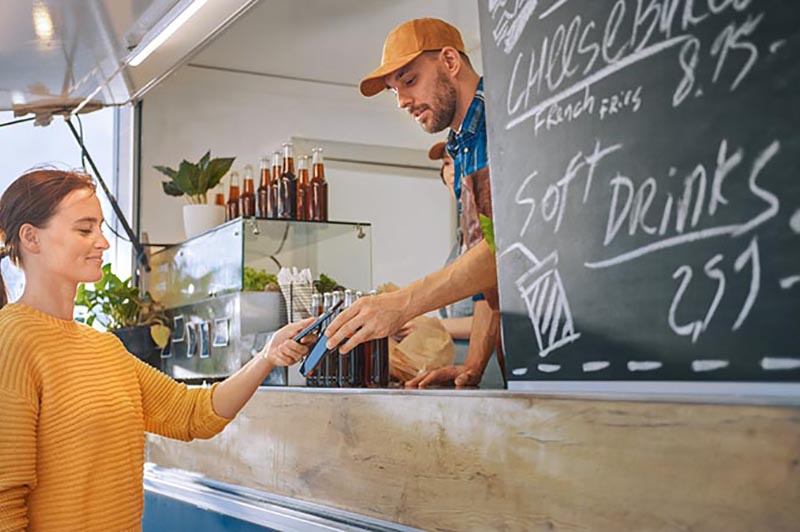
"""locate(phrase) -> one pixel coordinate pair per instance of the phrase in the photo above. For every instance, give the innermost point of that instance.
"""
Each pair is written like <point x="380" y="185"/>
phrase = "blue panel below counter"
<point x="179" y="500"/>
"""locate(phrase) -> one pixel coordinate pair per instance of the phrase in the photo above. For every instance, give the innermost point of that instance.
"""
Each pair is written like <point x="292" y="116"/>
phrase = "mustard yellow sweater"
<point x="74" y="409"/>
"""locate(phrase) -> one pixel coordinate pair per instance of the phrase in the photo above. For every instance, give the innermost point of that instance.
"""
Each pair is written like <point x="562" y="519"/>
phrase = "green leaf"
<point x="217" y="169"/>
<point x="257" y="280"/>
<point x="167" y="171"/>
<point x="202" y="164"/>
<point x="325" y="284"/>
<point x="116" y="303"/>
<point x="195" y="180"/>
<point x="160" y="334"/>
<point x="187" y="178"/>
<point x="171" y="189"/>
<point x="80" y="297"/>
<point x="487" y="226"/>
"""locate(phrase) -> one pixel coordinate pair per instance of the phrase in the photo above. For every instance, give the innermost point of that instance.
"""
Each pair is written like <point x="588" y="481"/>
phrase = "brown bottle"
<point x="318" y="208"/>
<point x="379" y="370"/>
<point x="345" y="375"/>
<point x="357" y="377"/>
<point x="219" y="195"/>
<point x="232" y="207"/>
<point x="303" y="190"/>
<point x="247" y="201"/>
<point x="331" y="358"/>
<point x="262" y="194"/>
<point x="286" y="191"/>
<point x="273" y="188"/>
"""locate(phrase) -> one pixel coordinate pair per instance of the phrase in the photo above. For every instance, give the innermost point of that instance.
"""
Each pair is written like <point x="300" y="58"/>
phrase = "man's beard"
<point x="444" y="105"/>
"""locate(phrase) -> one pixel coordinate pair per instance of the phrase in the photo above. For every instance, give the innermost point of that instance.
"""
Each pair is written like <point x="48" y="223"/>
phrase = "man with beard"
<point x="425" y="64"/>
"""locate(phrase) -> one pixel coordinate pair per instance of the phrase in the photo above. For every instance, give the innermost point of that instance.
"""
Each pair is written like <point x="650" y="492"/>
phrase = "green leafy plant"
<point x="116" y="304"/>
<point x="325" y="284"/>
<point x="195" y="179"/>
<point x="258" y="280"/>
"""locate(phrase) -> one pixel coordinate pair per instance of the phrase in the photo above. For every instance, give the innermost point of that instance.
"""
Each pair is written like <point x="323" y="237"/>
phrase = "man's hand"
<point x="282" y="350"/>
<point x="405" y="330"/>
<point x="369" y="318"/>
<point x="458" y="375"/>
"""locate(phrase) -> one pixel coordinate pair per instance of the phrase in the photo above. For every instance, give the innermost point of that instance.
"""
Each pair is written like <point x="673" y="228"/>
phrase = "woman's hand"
<point x="282" y="350"/>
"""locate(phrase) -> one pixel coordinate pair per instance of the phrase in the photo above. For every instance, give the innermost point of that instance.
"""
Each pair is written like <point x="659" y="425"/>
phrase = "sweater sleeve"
<point x="174" y="410"/>
<point x="17" y="460"/>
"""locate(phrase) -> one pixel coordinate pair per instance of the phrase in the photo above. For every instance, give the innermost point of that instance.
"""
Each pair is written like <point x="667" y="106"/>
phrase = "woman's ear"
<point x="29" y="239"/>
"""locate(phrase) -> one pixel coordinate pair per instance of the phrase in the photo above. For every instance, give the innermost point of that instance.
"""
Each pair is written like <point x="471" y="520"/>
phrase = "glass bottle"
<point x="286" y="192"/>
<point x="303" y="190"/>
<point x="262" y="195"/>
<point x="232" y="206"/>
<point x="345" y="361"/>
<point x="273" y="188"/>
<point x="247" y="201"/>
<point x="318" y="208"/>
<point x="332" y="356"/>
<point x="379" y="370"/>
<point x="219" y="195"/>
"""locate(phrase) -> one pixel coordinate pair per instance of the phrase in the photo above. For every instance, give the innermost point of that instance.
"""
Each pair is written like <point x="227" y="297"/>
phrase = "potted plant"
<point x="194" y="180"/>
<point x="138" y="321"/>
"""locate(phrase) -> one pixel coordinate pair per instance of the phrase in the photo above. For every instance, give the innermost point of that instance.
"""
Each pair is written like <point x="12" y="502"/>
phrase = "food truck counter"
<point x="480" y="460"/>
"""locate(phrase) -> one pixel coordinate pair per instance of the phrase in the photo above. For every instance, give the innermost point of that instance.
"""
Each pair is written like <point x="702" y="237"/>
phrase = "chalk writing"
<point x="779" y="363"/>
<point x="575" y="55"/>
<point x="709" y="365"/>
<point x="687" y="211"/>
<point x="543" y="293"/>
<point x="645" y="365"/>
<point x="596" y="365"/>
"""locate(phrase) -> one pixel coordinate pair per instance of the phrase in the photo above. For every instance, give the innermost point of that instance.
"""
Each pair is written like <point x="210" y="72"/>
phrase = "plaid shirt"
<point x="467" y="146"/>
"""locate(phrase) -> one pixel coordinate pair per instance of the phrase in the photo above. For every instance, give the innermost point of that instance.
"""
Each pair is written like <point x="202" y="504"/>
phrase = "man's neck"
<point x="465" y="93"/>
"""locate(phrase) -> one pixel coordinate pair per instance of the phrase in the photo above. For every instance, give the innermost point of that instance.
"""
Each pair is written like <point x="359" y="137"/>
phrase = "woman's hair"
<point x="33" y="199"/>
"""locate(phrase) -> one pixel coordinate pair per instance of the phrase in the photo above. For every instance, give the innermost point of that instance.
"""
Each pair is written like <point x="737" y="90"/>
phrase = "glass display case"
<point x="216" y="325"/>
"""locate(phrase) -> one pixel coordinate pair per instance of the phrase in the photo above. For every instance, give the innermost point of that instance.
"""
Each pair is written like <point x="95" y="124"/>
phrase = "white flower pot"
<point x="200" y="218"/>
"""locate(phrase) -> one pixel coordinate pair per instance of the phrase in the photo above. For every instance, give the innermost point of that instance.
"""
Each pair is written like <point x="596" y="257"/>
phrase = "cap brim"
<point x="436" y="152"/>
<point x="374" y="83"/>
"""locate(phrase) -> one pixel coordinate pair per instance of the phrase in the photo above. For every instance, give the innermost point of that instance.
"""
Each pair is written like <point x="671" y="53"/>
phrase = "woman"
<point x="75" y="404"/>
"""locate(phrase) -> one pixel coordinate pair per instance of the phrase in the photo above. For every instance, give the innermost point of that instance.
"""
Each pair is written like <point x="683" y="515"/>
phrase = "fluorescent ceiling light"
<point x="42" y="22"/>
<point x="165" y="34"/>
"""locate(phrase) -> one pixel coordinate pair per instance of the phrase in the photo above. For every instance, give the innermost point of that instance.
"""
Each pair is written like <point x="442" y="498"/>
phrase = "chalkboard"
<point x="645" y="170"/>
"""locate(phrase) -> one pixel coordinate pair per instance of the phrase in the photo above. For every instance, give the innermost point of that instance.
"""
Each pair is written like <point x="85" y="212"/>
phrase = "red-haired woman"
<point x="75" y="404"/>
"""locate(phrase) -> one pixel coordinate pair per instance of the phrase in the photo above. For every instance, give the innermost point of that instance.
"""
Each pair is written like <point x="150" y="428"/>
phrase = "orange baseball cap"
<point x="405" y="43"/>
<point x="437" y="151"/>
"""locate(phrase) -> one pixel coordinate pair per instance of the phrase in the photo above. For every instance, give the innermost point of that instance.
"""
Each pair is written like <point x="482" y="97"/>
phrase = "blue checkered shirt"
<point x="467" y="146"/>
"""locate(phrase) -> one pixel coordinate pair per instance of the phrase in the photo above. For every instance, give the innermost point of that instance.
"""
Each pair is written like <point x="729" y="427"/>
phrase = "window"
<point x="24" y="146"/>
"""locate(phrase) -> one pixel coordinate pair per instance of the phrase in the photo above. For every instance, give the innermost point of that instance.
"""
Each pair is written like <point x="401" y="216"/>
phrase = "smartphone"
<point x="318" y="322"/>
<point x="314" y="358"/>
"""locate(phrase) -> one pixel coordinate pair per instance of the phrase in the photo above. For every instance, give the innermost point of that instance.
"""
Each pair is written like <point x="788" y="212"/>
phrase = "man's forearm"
<point x="472" y="273"/>
<point x="483" y="337"/>
<point x="458" y="328"/>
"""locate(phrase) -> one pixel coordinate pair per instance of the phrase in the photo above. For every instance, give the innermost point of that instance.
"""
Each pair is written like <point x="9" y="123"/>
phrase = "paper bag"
<point x="428" y="347"/>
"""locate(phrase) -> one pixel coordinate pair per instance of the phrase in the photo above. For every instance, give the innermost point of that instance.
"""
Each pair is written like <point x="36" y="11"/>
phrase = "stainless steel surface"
<point x="68" y="48"/>
<point x="67" y="52"/>
<point x="257" y="507"/>
<point x="212" y="264"/>
<point x="211" y="339"/>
